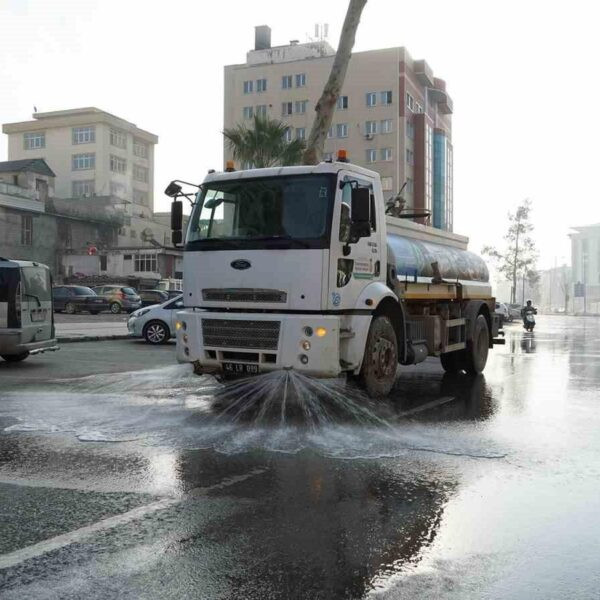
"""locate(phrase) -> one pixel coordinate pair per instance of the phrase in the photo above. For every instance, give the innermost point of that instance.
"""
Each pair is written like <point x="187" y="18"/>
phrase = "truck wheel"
<point x="478" y="348"/>
<point x="378" y="372"/>
<point x="15" y="357"/>
<point x="453" y="362"/>
<point x="70" y="308"/>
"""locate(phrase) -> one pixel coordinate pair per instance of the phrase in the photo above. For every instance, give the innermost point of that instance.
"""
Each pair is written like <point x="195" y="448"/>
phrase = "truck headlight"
<point x="321" y="332"/>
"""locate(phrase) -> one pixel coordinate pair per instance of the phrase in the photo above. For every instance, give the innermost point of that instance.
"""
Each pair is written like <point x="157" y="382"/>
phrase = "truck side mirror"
<point x="176" y="222"/>
<point x="361" y="204"/>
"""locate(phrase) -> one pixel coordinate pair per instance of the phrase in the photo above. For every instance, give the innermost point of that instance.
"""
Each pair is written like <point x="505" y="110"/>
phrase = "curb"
<point x="93" y="338"/>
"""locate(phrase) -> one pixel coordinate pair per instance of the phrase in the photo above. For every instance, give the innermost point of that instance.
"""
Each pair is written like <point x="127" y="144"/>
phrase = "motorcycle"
<point x="529" y="322"/>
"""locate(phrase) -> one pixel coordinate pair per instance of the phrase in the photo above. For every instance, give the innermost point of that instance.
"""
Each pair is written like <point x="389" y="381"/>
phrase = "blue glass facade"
<point x="440" y="178"/>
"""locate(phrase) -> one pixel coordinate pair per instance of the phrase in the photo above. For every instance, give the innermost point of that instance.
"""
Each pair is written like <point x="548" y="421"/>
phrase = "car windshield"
<point x="270" y="212"/>
<point x="129" y="291"/>
<point x="83" y="291"/>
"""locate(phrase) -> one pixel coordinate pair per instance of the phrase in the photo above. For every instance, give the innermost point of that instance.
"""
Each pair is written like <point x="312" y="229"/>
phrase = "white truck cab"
<point x="26" y="314"/>
<point x="294" y="268"/>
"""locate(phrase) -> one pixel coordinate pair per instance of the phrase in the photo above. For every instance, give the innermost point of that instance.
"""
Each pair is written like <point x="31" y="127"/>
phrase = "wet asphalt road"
<point x="122" y="477"/>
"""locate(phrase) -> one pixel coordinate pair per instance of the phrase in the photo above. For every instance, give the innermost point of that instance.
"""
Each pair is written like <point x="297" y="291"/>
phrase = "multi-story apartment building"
<point x="92" y="153"/>
<point x="393" y="115"/>
<point x="585" y="266"/>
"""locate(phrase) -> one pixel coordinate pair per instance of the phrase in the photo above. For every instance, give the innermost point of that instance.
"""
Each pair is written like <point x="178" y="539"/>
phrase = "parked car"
<point x="75" y="298"/>
<point x="514" y="311"/>
<point x="502" y="312"/>
<point x="119" y="298"/>
<point x="156" y="324"/>
<point x="151" y="297"/>
<point x="174" y="293"/>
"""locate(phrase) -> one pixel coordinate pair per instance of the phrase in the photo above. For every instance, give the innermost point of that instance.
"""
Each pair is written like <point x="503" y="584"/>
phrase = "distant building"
<point x="92" y="153"/>
<point x="76" y="237"/>
<point x="585" y="264"/>
<point x="393" y="115"/>
<point x="103" y="172"/>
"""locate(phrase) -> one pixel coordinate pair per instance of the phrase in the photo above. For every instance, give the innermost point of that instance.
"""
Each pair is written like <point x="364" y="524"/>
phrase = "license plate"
<point x="240" y="369"/>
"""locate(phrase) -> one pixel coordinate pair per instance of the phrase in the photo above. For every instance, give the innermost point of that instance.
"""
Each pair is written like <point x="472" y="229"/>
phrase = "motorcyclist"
<point x="527" y="310"/>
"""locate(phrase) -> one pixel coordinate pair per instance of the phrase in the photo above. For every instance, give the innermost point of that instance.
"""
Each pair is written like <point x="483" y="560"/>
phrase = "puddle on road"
<point x="280" y="412"/>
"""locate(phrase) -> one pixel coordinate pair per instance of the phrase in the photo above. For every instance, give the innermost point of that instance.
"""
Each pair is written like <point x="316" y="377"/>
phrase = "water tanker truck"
<point x="301" y="268"/>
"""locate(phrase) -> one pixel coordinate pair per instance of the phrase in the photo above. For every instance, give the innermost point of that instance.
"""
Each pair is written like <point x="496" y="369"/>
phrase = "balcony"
<point x="439" y="96"/>
<point x="14" y="196"/>
<point x="424" y="73"/>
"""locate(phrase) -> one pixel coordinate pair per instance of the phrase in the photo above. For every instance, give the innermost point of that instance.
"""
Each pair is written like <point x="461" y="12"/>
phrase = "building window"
<point x="410" y="102"/>
<point x="330" y="132"/>
<point x="146" y="263"/>
<point x="117" y="164"/>
<point x="371" y="155"/>
<point x="300" y="106"/>
<point x="286" y="82"/>
<point x="248" y="112"/>
<point x="83" y="162"/>
<point x="26" y="230"/>
<point x="261" y="111"/>
<point x="410" y="185"/>
<point x="371" y="127"/>
<point x="84" y="135"/>
<point x="140" y="149"/>
<point x="386" y="184"/>
<point x="386" y="154"/>
<point x="261" y="85"/>
<point x="140" y="197"/>
<point x="133" y="233"/>
<point x="387" y="126"/>
<point x="81" y="189"/>
<point x="103" y="261"/>
<point x="342" y="103"/>
<point x="409" y="157"/>
<point x="286" y="109"/>
<point x="328" y="156"/>
<point x="410" y="130"/>
<point x="288" y="134"/>
<point x="140" y="173"/>
<point x="418" y="108"/>
<point x="342" y="130"/>
<point x="371" y="98"/>
<point x="248" y="87"/>
<point x="300" y="79"/>
<point x="118" y="138"/>
<point x="34" y="141"/>
<point x="300" y="133"/>
<point x="386" y="97"/>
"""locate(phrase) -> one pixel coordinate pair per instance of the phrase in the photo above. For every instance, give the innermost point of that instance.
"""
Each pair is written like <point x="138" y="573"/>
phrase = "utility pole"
<point x="523" y="291"/>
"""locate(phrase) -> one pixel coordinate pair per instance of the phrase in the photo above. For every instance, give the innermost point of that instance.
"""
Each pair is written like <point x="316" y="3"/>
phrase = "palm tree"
<point x="263" y="144"/>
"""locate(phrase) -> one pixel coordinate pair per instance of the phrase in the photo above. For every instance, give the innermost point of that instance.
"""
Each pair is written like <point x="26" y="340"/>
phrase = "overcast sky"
<point x="523" y="77"/>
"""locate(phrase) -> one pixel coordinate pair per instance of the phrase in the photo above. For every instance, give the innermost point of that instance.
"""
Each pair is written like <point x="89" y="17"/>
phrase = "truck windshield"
<point x="268" y="212"/>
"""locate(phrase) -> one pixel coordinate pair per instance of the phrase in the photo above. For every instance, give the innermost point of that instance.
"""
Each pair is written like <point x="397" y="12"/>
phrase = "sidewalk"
<point x="92" y="331"/>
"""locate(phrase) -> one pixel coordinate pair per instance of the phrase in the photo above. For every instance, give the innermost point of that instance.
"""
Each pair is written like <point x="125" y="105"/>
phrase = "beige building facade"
<point x="92" y="152"/>
<point x="393" y="115"/>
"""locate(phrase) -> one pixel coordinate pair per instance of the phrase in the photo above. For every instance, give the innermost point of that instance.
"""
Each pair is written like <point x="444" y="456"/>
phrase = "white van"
<point x="26" y="312"/>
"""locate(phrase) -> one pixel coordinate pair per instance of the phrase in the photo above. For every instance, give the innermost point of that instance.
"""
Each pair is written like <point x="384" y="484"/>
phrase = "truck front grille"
<point x="243" y="295"/>
<point x="229" y="333"/>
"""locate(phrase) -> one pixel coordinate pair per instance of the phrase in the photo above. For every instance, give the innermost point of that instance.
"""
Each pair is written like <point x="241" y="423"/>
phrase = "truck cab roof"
<point x="321" y="168"/>
<point x="7" y="263"/>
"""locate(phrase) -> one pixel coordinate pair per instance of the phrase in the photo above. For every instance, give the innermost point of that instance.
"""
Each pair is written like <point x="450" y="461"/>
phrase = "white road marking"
<point x="60" y="541"/>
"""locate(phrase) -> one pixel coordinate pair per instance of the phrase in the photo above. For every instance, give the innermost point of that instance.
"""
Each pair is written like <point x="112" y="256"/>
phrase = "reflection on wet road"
<point x="159" y="484"/>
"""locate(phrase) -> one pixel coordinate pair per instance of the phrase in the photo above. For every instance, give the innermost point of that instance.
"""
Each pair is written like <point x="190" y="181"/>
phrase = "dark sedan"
<point x="76" y="298"/>
<point x="150" y="297"/>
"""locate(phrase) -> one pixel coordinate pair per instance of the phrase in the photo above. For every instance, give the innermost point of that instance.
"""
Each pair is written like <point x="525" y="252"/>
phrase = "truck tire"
<point x="378" y="372"/>
<point x="478" y="347"/>
<point x="15" y="357"/>
<point x="453" y="362"/>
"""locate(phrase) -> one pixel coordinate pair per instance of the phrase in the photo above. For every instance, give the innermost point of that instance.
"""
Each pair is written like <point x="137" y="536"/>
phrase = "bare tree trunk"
<point x="514" y="273"/>
<point x="326" y="104"/>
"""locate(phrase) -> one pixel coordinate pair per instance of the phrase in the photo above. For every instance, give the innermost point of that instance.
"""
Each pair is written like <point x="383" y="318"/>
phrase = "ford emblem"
<point x="241" y="264"/>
